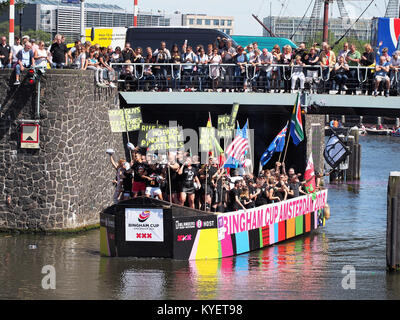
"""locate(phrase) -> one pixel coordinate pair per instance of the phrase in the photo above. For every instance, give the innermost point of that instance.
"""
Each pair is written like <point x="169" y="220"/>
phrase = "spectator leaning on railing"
<point x="353" y="59"/>
<point x="59" y="53"/>
<point x="5" y="54"/>
<point x="381" y="75"/>
<point x="25" y="60"/>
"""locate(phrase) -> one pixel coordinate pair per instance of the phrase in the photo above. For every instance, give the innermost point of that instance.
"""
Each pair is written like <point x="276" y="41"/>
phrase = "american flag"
<point x="237" y="149"/>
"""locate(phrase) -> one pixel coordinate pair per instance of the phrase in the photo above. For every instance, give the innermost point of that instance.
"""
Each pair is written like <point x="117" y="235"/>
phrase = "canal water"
<point x="310" y="267"/>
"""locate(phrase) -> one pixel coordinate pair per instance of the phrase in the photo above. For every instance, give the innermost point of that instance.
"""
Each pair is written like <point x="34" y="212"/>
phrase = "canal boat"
<point x="381" y="132"/>
<point x="342" y="130"/>
<point x="147" y="227"/>
<point x="396" y="134"/>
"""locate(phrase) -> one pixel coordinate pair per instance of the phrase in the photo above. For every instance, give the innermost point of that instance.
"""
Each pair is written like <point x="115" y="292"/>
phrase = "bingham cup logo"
<point x="144" y="216"/>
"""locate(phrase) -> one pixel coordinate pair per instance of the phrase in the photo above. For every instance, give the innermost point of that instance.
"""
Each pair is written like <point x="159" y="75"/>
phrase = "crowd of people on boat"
<point x="218" y="67"/>
<point x="181" y="179"/>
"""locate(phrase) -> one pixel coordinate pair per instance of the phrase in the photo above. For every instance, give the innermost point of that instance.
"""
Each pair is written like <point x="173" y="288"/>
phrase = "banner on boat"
<point x="144" y="225"/>
<point x="245" y="220"/>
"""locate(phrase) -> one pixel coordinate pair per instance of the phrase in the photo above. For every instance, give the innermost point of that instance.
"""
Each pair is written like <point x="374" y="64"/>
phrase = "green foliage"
<point x="33" y="34"/>
<point x="339" y="46"/>
<point x="5" y="4"/>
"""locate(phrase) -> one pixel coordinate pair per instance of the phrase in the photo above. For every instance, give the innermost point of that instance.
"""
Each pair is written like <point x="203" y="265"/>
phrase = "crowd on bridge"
<point x="181" y="179"/>
<point x="218" y="67"/>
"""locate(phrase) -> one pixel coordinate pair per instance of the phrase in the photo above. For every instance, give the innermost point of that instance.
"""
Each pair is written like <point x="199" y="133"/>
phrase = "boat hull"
<point x="185" y="234"/>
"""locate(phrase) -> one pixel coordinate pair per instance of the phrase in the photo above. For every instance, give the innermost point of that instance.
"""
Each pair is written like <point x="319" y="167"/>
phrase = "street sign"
<point x="30" y="136"/>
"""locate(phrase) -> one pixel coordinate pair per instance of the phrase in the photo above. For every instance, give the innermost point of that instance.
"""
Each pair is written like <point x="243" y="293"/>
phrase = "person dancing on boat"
<point x="189" y="178"/>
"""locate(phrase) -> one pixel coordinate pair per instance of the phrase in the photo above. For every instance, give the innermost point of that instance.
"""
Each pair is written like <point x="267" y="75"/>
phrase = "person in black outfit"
<point x="234" y="197"/>
<point x="367" y="59"/>
<point x="206" y="176"/>
<point x="5" y="50"/>
<point x="261" y="192"/>
<point x="59" y="52"/>
<point x="189" y="177"/>
<point x="126" y="177"/>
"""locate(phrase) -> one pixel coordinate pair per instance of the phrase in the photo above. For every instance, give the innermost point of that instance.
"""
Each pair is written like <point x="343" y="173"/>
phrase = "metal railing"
<point x="232" y="77"/>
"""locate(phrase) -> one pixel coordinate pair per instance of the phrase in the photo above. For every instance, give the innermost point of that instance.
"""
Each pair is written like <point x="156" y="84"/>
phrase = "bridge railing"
<point x="246" y="77"/>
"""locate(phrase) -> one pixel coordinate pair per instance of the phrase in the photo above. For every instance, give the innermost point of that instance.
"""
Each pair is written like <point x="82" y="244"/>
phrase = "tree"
<point x="5" y="5"/>
<point x="33" y="34"/>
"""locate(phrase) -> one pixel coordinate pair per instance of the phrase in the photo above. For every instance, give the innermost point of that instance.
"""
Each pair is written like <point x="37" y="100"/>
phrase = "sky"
<point x="242" y="11"/>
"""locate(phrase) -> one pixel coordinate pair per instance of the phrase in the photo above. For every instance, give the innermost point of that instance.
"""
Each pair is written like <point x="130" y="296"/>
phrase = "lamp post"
<point x="21" y="12"/>
<point x="83" y="33"/>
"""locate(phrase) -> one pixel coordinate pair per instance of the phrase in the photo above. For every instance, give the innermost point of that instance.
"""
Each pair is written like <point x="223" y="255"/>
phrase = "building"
<point x="222" y="23"/>
<point x="57" y="17"/>
<point x="285" y="27"/>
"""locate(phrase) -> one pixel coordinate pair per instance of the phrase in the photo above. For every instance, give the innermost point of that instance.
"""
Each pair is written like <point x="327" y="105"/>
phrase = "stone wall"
<point x="68" y="181"/>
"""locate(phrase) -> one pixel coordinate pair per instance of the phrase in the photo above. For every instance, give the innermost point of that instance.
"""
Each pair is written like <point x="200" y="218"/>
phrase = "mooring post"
<point x="393" y="223"/>
<point x="356" y="155"/>
<point x="350" y="169"/>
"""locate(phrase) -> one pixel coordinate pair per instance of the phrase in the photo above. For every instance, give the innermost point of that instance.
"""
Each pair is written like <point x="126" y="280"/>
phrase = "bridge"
<point x="270" y="102"/>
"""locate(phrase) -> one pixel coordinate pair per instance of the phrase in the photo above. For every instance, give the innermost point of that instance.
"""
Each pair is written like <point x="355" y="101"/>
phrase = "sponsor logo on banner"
<point x="181" y="237"/>
<point x="144" y="225"/>
<point x="239" y="221"/>
<point x="198" y="224"/>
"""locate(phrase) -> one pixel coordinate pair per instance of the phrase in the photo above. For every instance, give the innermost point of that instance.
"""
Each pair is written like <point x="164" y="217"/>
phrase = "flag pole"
<point x="250" y="151"/>
<point x="286" y="141"/>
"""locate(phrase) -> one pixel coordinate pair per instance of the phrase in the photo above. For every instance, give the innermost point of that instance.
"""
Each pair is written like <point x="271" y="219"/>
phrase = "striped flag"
<point x="296" y="124"/>
<point x="238" y="147"/>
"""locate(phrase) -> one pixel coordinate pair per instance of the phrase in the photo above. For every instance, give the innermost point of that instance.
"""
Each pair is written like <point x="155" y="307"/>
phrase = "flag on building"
<point x="296" y="124"/>
<point x="309" y="176"/>
<point x="276" y="145"/>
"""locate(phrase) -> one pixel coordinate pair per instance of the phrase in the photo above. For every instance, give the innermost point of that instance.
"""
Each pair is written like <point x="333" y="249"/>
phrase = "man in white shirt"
<point x="343" y="53"/>
<point x="266" y="60"/>
<point x="17" y="47"/>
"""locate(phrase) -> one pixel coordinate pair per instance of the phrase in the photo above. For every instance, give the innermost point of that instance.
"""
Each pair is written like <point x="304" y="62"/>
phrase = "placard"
<point x="143" y="132"/>
<point x="207" y="137"/>
<point x="225" y="129"/>
<point x="133" y="117"/>
<point x="162" y="139"/>
<point x="145" y="225"/>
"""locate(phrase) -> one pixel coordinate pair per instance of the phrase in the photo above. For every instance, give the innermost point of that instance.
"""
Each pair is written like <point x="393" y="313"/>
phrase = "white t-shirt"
<point x="266" y="58"/>
<point x="15" y="49"/>
<point x="41" y="61"/>
<point x="395" y="62"/>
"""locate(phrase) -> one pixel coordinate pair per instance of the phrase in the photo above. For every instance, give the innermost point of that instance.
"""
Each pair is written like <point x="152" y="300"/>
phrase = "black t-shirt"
<point x="279" y="193"/>
<point x="139" y="168"/>
<point x="188" y="176"/>
<point x="156" y="179"/>
<point x="262" y="198"/>
<point x="127" y="181"/>
<point x="5" y="51"/>
<point x="295" y="187"/>
<point x="127" y="55"/>
<point x="58" y="52"/>
<point x="232" y="199"/>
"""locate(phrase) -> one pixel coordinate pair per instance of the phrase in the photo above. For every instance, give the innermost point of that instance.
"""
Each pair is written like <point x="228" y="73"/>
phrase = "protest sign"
<point x="122" y="120"/>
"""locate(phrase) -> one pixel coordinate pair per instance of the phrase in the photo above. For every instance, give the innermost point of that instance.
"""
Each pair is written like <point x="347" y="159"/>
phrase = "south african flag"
<point x="296" y="124"/>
